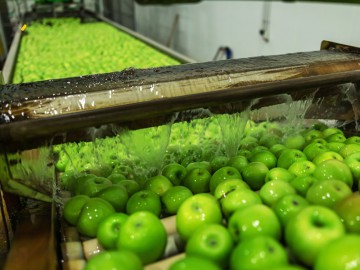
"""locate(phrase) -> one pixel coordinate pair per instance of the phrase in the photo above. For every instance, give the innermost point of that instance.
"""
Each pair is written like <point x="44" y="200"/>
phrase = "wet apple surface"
<point x="271" y="204"/>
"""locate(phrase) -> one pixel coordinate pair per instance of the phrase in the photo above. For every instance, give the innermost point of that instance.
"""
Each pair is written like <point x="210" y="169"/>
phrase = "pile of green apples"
<point x="287" y="200"/>
<point x="55" y="48"/>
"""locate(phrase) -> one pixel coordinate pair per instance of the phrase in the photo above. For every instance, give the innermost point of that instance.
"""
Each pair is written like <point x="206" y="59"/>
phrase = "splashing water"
<point x="232" y="128"/>
<point x="351" y="94"/>
<point x="146" y="146"/>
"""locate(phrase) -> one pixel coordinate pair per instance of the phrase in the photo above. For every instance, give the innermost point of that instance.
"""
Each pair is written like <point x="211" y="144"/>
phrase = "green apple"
<point x="72" y="208"/>
<point x="259" y="148"/>
<point x="289" y="267"/>
<point x="335" y="146"/>
<point x="342" y="253"/>
<point x="238" y="199"/>
<point x="302" y="167"/>
<point x="331" y="131"/>
<point x="288" y="206"/>
<point x="131" y="186"/>
<point x="115" y="260"/>
<point x="349" y="212"/>
<point x="238" y="162"/>
<point x="199" y="164"/>
<point x="279" y="173"/>
<point x="125" y="170"/>
<point x="197" y="180"/>
<point x="313" y="149"/>
<point x="108" y="230"/>
<point x="254" y="220"/>
<point x="353" y="139"/>
<point x="172" y="154"/>
<point x="289" y="156"/>
<point x="116" y="195"/>
<point x="194" y="151"/>
<point x="349" y="149"/>
<point x="92" y="185"/>
<point x="221" y="175"/>
<point x="174" y="197"/>
<point x="244" y="152"/>
<point x="92" y="213"/>
<point x="158" y="184"/>
<point x="248" y="140"/>
<point x="312" y="134"/>
<point x="310" y="231"/>
<point x="195" y="211"/>
<point x="250" y="146"/>
<point x="101" y="169"/>
<point x="218" y="162"/>
<point x="295" y="141"/>
<point x="144" y="234"/>
<point x="319" y="140"/>
<point x="327" y="192"/>
<point x="256" y="131"/>
<point x="229" y="185"/>
<point x="175" y="172"/>
<point x="303" y="183"/>
<point x="254" y="174"/>
<point x="115" y="178"/>
<point x="334" y="169"/>
<point x="258" y="253"/>
<point x="189" y="159"/>
<point x="192" y="262"/>
<point x="273" y="190"/>
<point x="269" y="140"/>
<point x="212" y="242"/>
<point x="144" y="200"/>
<point x="272" y="127"/>
<point x="78" y="181"/>
<point x="266" y="157"/>
<point x="277" y="149"/>
<point x="325" y="156"/>
<point x="353" y="162"/>
<point x="337" y="137"/>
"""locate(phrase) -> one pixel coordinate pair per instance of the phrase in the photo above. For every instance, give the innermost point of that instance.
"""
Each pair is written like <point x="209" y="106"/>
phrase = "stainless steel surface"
<point x="182" y="58"/>
<point x="10" y="61"/>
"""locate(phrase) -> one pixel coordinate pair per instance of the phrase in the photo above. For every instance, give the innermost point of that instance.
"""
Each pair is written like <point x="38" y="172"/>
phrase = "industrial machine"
<point x="328" y="79"/>
<point x="321" y="85"/>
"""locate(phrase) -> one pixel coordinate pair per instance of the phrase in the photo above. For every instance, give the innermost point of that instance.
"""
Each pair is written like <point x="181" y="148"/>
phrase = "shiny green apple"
<point x="310" y="231"/>
<point x="288" y="206"/>
<point x="273" y="190"/>
<point x="212" y="242"/>
<point x="334" y="169"/>
<point x="254" y="220"/>
<point x="221" y="175"/>
<point x="342" y="253"/>
<point x="195" y="211"/>
<point x="258" y="253"/>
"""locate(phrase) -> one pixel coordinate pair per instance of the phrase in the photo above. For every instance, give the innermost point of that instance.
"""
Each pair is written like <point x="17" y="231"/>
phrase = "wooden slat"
<point x="164" y="264"/>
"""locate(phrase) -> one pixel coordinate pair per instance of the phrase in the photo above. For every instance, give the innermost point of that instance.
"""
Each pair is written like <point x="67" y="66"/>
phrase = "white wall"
<point x="294" y="27"/>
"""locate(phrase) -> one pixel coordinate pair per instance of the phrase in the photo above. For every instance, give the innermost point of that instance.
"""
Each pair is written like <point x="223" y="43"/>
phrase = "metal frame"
<point x="181" y="87"/>
<point x="8" y="68"/>
<point x="9" y="65"/>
